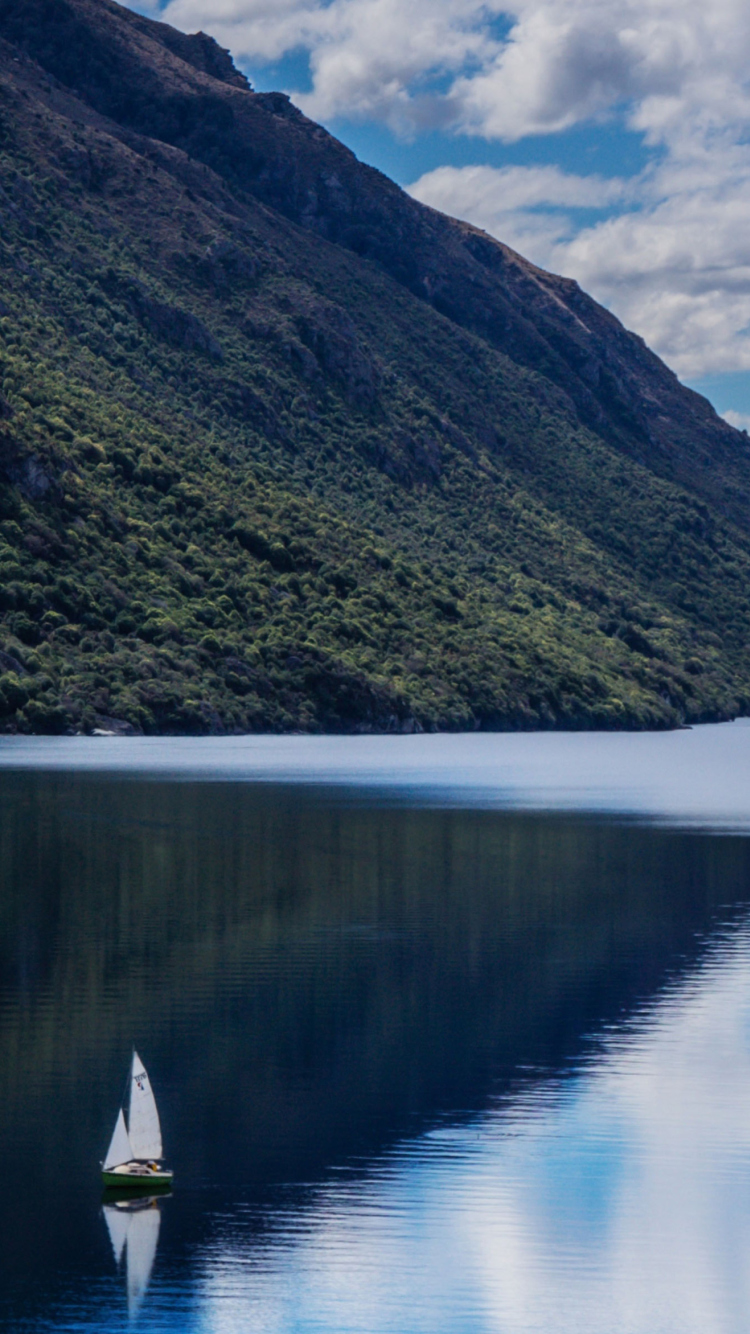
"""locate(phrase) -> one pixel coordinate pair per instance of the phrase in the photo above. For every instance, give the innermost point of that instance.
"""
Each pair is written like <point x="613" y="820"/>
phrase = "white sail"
<point x="118" y="1223"/>
<point x="120" y="1149"/>
<point x="143" y="1235"/>
<point x="143" y="1119"/>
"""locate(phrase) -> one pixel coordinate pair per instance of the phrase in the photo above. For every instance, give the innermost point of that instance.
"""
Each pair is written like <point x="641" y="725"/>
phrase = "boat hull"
<point x="136" y="1176"/>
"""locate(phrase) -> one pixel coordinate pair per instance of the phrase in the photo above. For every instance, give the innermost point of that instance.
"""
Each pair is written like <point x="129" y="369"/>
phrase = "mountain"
<point x="283" y="449"/>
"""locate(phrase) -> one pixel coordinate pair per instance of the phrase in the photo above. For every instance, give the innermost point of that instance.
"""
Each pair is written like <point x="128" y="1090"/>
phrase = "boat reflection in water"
<point x="133" y="1222"/>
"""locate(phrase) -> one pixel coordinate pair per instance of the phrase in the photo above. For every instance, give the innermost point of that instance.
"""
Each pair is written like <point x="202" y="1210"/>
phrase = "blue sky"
<point x="608" y="142"/>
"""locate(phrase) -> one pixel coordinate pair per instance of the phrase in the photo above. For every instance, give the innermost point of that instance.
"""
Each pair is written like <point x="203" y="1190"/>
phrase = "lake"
<point x="447" y="1033"/>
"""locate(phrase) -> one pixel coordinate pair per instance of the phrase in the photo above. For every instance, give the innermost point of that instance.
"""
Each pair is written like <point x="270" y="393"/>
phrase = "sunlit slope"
<point x="253" y="479"/>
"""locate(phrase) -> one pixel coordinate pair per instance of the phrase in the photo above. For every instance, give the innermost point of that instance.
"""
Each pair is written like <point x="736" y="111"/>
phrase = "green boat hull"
<point x="137" y="1180"/>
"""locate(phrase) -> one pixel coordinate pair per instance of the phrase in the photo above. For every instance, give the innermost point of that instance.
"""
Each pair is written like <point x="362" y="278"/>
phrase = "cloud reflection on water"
<point x="617" y="1199"/>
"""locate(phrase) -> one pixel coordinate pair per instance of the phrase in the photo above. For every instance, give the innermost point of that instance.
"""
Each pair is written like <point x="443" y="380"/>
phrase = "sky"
<point x="608" y="140"/>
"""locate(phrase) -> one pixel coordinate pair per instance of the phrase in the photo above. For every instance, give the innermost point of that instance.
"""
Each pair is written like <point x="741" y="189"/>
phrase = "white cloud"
<point x="739" y="419"/>
<point x="566" y="60"/>
<point x="525" y="206"/>
<point x="503" y="190"/>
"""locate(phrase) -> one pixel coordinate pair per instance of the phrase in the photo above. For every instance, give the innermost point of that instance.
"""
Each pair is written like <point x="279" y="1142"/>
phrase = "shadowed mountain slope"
<point x="184" y="91"/>
<point x="281" y="447"/>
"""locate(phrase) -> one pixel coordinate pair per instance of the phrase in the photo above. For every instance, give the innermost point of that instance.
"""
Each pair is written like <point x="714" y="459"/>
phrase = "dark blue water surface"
<point x="447" y="1033"/>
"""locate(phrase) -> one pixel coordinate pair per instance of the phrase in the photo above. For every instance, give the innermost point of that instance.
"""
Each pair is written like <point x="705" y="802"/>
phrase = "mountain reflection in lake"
<point x="418" y="1069"/>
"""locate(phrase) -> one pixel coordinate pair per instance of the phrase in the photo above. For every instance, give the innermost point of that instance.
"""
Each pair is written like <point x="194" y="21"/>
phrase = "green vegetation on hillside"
<point x="251" y="483"/>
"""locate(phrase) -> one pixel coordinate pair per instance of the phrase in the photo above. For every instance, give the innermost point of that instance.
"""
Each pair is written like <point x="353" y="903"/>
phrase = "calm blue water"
<point x="447" y="1033"/>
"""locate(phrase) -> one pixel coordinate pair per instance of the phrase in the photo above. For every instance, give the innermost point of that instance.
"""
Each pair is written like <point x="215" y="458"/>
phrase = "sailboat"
<point x="135" y="1152"/>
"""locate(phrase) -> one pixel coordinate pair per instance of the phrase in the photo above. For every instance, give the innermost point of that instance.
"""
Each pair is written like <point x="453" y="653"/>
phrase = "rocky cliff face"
<point x="281" y="447"/>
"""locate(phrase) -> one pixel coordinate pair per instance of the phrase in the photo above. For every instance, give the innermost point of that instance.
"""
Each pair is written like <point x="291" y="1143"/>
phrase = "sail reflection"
<point x="618" y="1198"/>
<point x="134" y="1231"/>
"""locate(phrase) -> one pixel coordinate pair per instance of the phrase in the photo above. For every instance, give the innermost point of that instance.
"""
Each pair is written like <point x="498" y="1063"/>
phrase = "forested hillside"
<point x="282" y="449"/>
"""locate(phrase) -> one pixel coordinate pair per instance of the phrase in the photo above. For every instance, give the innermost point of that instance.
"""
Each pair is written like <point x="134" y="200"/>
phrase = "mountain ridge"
<point x="217" y="333"/>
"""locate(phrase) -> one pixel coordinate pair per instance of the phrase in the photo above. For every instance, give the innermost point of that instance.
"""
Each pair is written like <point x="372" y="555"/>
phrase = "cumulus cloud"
<point x="739" y="419"/>
<point x="532" y="209"/>
<point x="494" y="191"/>
<point x="669" y="253"/>
<point x="568" y="60"/>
